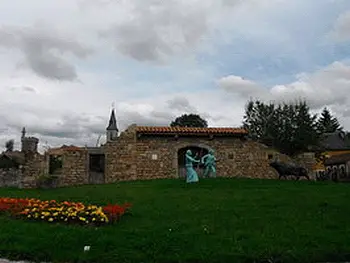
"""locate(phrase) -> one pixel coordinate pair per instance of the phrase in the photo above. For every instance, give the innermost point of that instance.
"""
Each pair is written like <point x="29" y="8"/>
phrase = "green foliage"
<point x="9" y="145"/>
<point x="328" y="123"/>
<point x="218" y="220"/>
<point x="189" y="120"/>
<point x="290" y="128"/>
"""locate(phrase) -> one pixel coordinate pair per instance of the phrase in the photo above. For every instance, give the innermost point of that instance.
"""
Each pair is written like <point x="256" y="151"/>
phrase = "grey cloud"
<point x="24" y="88"/>
<point x="181" y="104"/>
<point x="44" y="51"/>
<point x="346" y="112"/>
<point x="159" y="29"/>
<point x="240" y="86"/>
<point x="71" y="126"/>
<point x="130" y="117"/>
<point x="166" y="116"/>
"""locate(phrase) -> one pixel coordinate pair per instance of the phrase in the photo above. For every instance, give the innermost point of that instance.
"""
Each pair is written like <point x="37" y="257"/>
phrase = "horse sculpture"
<point x="285" y="170"/>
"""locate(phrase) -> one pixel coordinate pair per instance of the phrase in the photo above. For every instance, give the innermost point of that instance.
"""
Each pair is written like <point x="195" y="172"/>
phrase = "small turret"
<point x="112" y="129"/>
<point x="29" y="144"/>
<point x="23" y="132"/>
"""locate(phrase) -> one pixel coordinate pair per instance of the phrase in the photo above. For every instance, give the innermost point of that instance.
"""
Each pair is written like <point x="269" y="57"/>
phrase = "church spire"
<point x="112" y="129"/>
<point x="112" y="125"/>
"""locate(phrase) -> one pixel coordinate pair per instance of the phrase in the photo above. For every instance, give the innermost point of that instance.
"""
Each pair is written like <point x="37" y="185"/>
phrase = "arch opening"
<point x="198" y="152"/>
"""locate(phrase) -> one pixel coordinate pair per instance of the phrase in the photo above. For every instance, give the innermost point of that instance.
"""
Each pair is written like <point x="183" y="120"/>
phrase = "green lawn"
<point x="217" y="220"/>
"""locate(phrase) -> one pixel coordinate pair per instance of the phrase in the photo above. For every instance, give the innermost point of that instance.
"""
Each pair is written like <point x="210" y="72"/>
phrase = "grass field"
<point x="217" y="220"/>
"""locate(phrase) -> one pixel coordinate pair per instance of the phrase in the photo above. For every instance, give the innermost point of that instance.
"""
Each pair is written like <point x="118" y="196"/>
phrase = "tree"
<point x="189" y="120"/>
<point x="9" y="145"/>
<point x="328" y="123"/>
<point x="290" y="128"/>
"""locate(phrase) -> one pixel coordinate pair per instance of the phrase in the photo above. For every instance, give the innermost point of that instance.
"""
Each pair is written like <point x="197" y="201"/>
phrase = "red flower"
<point x="114" y="212"/>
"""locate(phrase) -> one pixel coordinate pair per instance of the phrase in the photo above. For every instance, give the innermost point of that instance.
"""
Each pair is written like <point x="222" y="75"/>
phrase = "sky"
<point x="64" y="64"/>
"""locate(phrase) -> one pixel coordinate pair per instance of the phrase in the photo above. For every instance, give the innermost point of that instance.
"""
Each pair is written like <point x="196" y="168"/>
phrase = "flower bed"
<point x="68" y="212"/>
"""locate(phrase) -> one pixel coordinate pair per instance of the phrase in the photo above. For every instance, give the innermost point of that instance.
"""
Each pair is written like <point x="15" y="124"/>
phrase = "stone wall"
<point x="27" y="175"/>
<point x="158" y="157"/>
<point x="120" y="157"/>
<point x="146" y="157"/>
<point x="34" y="167"/>
<point x="11" y="178"/>
<point x="74" y="168"/>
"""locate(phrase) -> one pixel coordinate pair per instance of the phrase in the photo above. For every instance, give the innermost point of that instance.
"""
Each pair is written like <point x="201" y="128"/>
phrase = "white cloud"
<point x="341" y="28"/>
<point x="328" y="86"/>
<point x="240" y="86"/>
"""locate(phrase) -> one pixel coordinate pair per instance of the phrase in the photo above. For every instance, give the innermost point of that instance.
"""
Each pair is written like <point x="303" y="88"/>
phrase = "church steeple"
<point x="112" y="129"/>
<point x="112" y="125"/>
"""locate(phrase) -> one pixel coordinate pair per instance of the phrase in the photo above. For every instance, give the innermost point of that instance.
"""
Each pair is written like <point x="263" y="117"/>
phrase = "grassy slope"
<point x="221" y="220"/>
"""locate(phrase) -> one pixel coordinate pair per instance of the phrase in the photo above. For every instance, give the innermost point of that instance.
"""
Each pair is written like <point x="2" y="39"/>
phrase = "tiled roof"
<point x="72" y="148"/>
<point x="188" y="130"/>
<point x="336" y="141"/>
<point x="64" y="148"/>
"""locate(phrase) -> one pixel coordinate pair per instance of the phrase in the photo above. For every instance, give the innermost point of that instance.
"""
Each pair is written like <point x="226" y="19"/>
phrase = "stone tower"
<point x="29" y="144"/>
<point x="112" y="129"/>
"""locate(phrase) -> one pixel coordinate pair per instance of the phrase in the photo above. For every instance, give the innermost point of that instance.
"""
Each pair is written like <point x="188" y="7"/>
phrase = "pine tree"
<point x="290" y="128"/>
<point x="328" y="123"/>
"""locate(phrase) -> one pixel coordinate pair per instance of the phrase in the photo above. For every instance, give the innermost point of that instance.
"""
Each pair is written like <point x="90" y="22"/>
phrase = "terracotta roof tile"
<point x="188" y="130"/>
<point x="65" y="148"/>
<point x="72" y="148"/>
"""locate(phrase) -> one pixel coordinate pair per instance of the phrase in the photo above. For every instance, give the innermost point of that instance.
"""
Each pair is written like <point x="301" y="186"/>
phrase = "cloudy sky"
<point x="63" y="63"/>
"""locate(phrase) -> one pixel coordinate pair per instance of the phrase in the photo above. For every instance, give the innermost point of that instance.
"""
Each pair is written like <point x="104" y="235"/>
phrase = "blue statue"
<point x="209" y="163"/>
<point x="191" y="174"/>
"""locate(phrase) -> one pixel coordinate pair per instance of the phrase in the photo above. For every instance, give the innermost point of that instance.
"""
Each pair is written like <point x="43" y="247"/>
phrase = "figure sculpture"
<point x="191" y="174"/>
<point x="209" y="162"/>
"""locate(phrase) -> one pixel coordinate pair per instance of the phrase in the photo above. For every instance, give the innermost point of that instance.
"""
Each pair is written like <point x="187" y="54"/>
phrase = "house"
<point x="332" y="144"/>
<point x="338" y="166"/>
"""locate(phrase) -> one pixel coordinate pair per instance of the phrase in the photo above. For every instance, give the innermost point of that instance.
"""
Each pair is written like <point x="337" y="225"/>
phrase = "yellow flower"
<point x="50" y="219"/>
<point x="29" y="216"/>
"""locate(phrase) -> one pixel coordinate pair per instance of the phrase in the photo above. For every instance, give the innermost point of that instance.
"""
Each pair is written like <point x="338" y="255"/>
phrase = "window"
<point x="154" y="156"/>
<point x="230" y="155"/>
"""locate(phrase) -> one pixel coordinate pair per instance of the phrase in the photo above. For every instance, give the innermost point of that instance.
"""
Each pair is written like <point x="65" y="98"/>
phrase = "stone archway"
<point x="200" y="150"/>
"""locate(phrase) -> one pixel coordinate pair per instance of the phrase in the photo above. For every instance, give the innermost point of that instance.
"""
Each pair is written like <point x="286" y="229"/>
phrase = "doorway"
<point x="197" y="151"/>
<point x="96" y="168"/>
